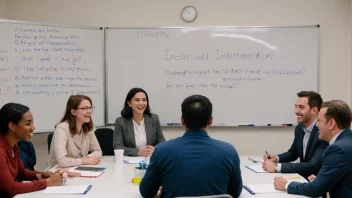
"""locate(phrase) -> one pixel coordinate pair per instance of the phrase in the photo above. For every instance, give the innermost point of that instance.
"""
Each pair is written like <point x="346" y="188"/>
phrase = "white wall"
<point x="333" y="16"/>
<point x="3" y="9"/>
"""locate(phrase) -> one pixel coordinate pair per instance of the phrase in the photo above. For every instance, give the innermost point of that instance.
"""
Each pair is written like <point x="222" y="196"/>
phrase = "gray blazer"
<point x="124" y="134"/>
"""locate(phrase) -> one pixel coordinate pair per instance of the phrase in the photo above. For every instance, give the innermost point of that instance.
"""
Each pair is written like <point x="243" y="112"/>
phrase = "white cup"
<point x="119" y="156"/>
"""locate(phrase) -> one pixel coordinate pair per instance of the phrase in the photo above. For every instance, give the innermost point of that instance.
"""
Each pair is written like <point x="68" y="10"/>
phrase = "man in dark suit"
<point x="335" y="176"/>
<point x="306" y="145"/>
<point x="194" y="164"/>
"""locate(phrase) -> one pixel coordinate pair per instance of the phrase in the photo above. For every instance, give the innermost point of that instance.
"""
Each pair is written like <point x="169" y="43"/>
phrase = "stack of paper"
<point x="133" y="160"/>
<point x="79" y="189"/>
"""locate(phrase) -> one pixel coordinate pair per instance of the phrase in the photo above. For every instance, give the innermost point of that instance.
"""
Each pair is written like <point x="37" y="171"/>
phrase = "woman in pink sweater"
<point x="16" y="124"/>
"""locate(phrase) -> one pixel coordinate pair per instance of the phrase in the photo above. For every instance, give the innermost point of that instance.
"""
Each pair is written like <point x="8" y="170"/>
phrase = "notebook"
<point x="134" y="160"/>
<point x="256" y="168"/>
<point x="86" y="172"/>
<point x="87" y="168"/>
<point x="74" y="189"/>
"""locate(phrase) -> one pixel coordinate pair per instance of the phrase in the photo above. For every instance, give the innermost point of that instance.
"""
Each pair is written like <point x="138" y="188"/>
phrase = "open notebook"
<point x="75" y="189"/>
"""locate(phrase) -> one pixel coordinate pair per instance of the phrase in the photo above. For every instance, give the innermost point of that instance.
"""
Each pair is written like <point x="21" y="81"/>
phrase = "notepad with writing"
<point x="256" y="169"/>
<point x="74" y="189"/>
<point x="134" y="160"/>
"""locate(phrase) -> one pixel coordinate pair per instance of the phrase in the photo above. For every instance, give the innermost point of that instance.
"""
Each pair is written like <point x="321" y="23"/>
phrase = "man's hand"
<point x="280" y="183"/>
<point x="160" y="192"/>
<point x="311" y="178"/>
<point x="271" y="156"/>
<point x="269" y="166"/>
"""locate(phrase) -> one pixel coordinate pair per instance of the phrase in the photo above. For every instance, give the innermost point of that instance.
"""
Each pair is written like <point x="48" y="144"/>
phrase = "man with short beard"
<point x="306" y="145"/>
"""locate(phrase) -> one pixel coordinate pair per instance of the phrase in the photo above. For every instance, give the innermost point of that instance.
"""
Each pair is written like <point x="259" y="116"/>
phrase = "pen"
<point x="246" y="125"/>
<point x="248" y="189"/>
<point x="267" y="154"/>
<point x="254" y="161"/>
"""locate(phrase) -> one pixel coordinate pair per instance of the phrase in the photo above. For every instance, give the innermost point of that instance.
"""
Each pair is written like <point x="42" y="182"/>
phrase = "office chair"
<point x="210" y="196"/>
<point x="49" y="139"/>
<point x="105" y="139"/>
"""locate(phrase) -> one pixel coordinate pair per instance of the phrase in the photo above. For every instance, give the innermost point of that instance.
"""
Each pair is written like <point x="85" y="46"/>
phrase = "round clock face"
<point x="189" y="14"/>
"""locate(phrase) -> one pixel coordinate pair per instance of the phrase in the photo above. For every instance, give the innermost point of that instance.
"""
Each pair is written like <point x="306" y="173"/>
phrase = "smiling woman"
<point x="16" y="124"/>
<point x="137" y="131"/>
<point x="74" y="137"/>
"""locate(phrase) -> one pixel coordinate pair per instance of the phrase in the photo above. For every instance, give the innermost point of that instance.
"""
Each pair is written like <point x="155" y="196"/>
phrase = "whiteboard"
<point x="42" y="65"/>
<point x="250" y="74"/>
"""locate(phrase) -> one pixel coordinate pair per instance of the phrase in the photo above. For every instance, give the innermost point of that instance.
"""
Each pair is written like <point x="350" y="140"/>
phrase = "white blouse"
<point x="140" y="134"/>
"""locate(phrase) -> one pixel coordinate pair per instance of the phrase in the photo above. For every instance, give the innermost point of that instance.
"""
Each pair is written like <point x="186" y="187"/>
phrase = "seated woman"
<point x="16" y="124"/>
<point x="137" y="131"/>
<point x="74" y="137"/>
<point x="27" y="154"/>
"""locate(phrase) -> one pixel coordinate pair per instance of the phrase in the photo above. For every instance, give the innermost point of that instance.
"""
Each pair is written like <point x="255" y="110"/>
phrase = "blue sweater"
<point x="193" y="165"/>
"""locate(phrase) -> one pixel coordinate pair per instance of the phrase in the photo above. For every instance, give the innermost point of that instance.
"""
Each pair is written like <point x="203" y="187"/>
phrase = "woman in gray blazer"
<point x="137" y="131"/>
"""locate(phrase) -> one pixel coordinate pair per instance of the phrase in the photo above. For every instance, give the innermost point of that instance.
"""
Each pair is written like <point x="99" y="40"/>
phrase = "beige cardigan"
<point x="67" y="150"/>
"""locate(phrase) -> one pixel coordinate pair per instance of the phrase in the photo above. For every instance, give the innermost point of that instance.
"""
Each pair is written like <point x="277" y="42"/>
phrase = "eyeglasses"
<point x="86" y="108"/>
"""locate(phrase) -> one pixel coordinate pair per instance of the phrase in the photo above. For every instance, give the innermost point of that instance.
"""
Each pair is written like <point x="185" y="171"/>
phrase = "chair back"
<point x="210" y="196"/>
<point x="49" y="139"/>
<point x="105" y="139"/>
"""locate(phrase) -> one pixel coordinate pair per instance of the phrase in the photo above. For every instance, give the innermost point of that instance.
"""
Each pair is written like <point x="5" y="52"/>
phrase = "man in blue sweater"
<point x="194" y="164"/>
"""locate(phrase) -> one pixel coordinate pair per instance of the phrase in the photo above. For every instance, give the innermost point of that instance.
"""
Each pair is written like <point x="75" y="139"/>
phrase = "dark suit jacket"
<point x="193" y="165"/>
<point x="124" y="134"/>
<point x="27" y="154"/>
<point x="312" y="162"/>
<point x="336" y="173"/>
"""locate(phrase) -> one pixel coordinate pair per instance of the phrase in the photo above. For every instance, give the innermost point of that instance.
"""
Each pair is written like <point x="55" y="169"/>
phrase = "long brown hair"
<point x="73" y="102"/>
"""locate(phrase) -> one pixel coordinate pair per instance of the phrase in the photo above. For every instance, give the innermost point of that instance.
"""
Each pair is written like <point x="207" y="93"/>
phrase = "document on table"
<point x="74" y="189"/>
<point x="261" y="189"/>
<point x="256" y="168"/>
<point x="133" y="160"/>
<point x="270" y="188"/>
<point x="91" y="174"/>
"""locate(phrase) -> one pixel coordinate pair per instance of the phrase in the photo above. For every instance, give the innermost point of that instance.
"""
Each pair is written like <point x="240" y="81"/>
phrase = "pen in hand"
<point x="267" y="154"/>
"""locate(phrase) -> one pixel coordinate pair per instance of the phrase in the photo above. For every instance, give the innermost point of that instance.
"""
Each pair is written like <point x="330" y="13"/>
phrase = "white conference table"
<point x="116" y="181"/>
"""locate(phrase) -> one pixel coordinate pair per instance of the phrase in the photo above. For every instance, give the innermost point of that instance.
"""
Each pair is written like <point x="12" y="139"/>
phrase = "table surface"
<point x="116" y="181"/>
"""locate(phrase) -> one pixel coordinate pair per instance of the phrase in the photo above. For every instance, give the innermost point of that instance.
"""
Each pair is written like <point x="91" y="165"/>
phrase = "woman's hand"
<point x="91" y="160"/>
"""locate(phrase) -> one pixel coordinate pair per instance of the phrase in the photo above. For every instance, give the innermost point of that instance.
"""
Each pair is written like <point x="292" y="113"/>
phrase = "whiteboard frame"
<point x="76" y="27"/>
<point x="50" y="24"/>
<point x="205" y="28"/>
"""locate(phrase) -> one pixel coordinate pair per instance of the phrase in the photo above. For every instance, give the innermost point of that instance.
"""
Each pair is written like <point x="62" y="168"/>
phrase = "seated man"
<point x="306" y="145"/>
<point x="27" y="154"/>
<point x="194" y="164"/>
<point x="335" y="176"/>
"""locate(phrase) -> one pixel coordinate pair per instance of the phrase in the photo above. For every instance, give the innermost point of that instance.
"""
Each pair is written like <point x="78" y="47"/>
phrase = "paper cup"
<point x="119" y="156"/>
